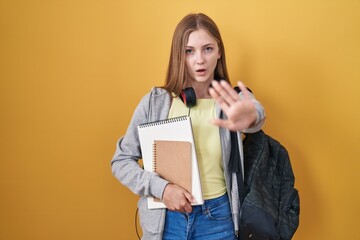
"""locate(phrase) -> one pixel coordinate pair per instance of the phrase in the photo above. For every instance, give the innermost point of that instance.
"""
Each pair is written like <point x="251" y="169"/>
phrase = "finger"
<point x="230" y="91"/>
<point x="220" y="123"/>
<point x="228" y="125"/>
<point x="188" y="208"/>
<point x="218" y="99"/>
<point x="225" y="91"/>
<point x="190" y="199"/>
<point x="244" y="90"/>
<point x="213" y="93"/>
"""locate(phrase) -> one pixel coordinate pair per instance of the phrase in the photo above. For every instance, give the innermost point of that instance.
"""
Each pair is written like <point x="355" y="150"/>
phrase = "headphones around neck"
<point x="188" y="96"/>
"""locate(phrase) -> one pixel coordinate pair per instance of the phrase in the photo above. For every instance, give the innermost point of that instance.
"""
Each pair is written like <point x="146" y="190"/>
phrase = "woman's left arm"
<point x="244" y="113"/>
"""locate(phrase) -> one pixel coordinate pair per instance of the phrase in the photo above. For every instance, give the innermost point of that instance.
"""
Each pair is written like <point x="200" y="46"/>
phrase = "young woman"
<point x="197" y="60"/>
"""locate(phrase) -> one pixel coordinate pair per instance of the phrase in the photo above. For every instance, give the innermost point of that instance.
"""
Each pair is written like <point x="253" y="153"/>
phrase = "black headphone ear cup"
<point x="188" y="96"/>
<point x="238" y="90"/>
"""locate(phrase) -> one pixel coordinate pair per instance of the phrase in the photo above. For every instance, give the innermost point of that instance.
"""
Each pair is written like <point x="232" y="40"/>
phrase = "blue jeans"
<point x="210" y="221"/>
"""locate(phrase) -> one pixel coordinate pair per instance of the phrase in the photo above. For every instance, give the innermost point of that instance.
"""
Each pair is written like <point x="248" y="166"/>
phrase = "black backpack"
<point x="269" y="203"/>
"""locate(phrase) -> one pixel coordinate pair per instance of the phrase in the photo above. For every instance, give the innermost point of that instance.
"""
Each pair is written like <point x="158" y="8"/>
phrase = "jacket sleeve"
<point x="260" y="120"/>
<point x="125" y="165"/>
<point x="289" y="209"/>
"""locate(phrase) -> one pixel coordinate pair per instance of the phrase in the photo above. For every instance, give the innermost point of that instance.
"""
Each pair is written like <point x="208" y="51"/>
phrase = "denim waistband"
<point x="211" y="203"/>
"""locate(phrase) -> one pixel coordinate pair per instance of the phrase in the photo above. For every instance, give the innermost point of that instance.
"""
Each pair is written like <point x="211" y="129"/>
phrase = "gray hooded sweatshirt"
<point x="153" y="107"/>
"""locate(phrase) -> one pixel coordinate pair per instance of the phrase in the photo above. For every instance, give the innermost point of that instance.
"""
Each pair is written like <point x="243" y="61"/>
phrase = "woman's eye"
<point x="188" y="51"/>
<point x="208" y="49"/>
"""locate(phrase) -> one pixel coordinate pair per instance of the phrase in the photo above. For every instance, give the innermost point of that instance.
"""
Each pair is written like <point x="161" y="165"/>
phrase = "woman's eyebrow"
<point x="206" y="45"/>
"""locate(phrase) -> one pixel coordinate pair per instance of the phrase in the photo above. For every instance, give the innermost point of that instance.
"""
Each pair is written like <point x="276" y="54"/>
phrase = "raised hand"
<point x="240" y="110"/>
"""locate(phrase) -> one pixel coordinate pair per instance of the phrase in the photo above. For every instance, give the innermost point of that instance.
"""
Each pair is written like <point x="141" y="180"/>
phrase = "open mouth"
<point x="201" y="70"/>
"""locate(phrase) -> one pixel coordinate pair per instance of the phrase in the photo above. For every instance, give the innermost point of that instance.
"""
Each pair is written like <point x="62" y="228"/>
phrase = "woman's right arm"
<point x="125" y="165"/>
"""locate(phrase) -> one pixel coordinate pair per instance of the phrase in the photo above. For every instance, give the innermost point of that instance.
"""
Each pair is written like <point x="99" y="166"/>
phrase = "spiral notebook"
<point x="173" y="129"/>
<point x="172" y="161"/>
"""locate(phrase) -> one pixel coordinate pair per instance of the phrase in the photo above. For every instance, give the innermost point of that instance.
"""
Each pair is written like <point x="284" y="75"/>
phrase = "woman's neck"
<point x="202" y="90"/>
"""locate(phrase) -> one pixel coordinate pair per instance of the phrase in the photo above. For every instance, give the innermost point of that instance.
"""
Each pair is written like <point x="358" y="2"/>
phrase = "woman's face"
<point x="202" y="54"/>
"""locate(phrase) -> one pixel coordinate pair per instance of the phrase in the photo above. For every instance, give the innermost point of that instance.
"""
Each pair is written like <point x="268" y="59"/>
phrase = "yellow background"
<point x="72" y="73"/>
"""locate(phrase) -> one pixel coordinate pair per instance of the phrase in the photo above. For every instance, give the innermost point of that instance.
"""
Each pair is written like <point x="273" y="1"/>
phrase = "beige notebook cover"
<point x="172" y="161"/>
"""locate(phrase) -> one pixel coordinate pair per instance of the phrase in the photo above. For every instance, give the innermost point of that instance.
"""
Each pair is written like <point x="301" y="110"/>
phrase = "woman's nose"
<point x="199" y="59"/>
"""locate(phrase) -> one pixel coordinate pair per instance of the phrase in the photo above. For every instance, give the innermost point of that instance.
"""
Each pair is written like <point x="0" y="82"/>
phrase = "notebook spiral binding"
<point x="154" y="158"/>
<point x="169" y="120"/>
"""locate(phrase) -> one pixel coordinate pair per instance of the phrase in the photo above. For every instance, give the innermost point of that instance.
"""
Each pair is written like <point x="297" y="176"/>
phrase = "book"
<point x="172" y="161"/>
<point x="172" y="129"/>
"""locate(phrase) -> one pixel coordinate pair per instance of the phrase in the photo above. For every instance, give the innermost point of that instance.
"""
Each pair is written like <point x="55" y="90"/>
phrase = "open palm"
<point x="239" y="109"/>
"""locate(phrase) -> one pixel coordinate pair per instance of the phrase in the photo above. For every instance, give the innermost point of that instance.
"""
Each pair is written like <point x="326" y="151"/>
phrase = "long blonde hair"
<point x="176" y="73"/>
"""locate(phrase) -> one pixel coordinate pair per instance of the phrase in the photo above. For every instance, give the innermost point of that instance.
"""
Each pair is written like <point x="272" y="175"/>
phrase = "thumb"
<point x="189" y="197"/>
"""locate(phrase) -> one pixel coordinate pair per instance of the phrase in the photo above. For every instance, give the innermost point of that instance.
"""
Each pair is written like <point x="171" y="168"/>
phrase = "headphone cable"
<point x="136" y="223"/>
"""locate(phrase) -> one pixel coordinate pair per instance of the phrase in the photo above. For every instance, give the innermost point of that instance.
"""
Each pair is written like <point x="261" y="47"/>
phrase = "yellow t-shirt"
<point x="207" y="144"/>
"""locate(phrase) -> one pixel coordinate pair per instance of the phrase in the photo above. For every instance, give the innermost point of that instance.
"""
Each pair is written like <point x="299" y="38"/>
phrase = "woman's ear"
<point x="219" y="51"/>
